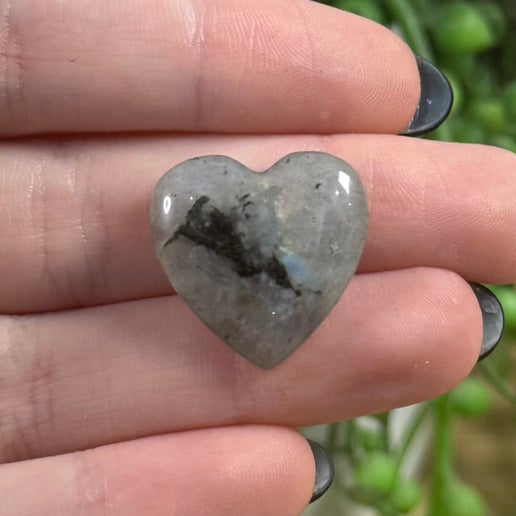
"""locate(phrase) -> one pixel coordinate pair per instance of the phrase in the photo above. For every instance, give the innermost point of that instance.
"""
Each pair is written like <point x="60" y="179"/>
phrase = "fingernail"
<point x="324" y="470"/>
<point x="492" y="318"/>
<point x="435" y="102"/>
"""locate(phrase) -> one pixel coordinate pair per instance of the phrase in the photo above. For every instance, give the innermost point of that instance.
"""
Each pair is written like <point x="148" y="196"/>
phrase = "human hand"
<point x="97" y="354"/>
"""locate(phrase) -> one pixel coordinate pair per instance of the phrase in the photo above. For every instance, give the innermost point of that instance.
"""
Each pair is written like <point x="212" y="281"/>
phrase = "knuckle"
<point x="11" y="67"/>
<point x="90" y="485"/>
<point x="25" y="393"/>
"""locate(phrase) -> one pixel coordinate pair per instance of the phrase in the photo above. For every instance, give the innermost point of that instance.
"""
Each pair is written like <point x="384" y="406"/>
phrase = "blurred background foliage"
<point x="469" y="466"/>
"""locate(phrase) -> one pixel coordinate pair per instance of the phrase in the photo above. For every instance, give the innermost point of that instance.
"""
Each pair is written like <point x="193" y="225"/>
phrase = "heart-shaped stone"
<point x="261" y="258"/>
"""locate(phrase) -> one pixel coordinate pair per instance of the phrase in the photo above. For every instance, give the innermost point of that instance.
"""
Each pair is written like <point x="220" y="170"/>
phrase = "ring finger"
<point x="77" y="379"/>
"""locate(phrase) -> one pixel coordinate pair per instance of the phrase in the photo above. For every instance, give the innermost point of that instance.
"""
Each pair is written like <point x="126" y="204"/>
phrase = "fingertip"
<point x="379" y="86"/>
<point x="454" y="331"/>
<point x="423" y="334"/>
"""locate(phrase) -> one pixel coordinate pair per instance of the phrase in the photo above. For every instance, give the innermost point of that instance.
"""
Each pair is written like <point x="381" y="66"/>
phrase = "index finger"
<point x="259" y="66"/>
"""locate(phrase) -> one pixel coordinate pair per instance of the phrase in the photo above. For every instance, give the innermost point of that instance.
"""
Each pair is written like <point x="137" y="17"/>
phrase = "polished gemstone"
<point x="261" y="258"/>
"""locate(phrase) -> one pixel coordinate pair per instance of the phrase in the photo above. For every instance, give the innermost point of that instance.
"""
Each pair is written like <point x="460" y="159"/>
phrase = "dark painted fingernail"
<point x="492" y="318"/>
<point x="324" y="471"/>
<point x="435" y="103"/>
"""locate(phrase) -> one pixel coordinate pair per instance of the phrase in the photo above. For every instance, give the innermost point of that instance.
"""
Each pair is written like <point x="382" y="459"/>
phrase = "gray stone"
<point x="260" y="258"/>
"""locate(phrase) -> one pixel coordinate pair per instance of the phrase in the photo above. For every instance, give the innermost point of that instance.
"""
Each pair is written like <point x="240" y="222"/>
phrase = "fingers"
<point x="74" y="380"/>
<point x="259" y="66"/>
<point x="240" y="470"/>
<point x="77" y="230"/>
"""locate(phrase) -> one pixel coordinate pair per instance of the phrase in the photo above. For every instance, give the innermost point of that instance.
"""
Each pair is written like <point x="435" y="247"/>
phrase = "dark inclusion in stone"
<point x="208" y="226"/>
<point x="260" y="258"/>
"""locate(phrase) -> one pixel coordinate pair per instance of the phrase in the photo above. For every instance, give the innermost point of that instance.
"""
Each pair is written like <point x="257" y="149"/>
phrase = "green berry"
<point x="372" y="439"/>
<point x="405" y="495"/>
<point x="490" y="113"/>
<point x="462" y="500"/>
<point x="460" y="28"/>
<point x="496" y="18"/>
<point x="376" y="472"/>
<point x="470" y="398"/>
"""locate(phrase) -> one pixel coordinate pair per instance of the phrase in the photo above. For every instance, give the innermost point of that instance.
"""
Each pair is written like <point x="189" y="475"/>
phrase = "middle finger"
<point x="77" y="231"/>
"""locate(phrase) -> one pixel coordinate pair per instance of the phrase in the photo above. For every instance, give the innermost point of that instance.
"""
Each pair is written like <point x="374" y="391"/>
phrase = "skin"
<point x="125" y="401"/>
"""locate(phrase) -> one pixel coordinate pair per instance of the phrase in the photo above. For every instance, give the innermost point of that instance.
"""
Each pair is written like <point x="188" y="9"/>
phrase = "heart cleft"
<point x="261" y="258"/>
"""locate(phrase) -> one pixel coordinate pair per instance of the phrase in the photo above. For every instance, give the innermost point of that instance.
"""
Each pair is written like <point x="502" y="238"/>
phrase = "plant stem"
<point x="351" y="439"/>
<point x="497" y="381"/>
<point x="332" y="438"/>
<point x="415" y="424"/>
<point x="442" y="450"/>
<point x="403" y="11"/>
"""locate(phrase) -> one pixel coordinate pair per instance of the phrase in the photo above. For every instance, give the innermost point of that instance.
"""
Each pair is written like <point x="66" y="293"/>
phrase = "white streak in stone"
<point x="344" y="180"/>
<point x="167" y="204"/>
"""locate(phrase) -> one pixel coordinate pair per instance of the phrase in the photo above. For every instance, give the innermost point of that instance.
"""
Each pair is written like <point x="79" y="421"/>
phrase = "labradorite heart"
<point x="260" y="258"/>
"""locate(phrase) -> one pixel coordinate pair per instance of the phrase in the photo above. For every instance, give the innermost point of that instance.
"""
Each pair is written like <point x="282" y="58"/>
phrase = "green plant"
<point x="474" y="43"/>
